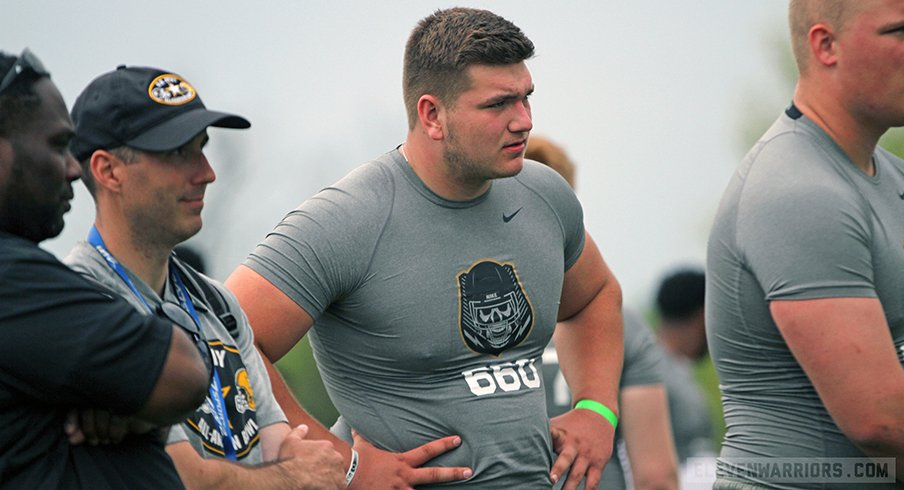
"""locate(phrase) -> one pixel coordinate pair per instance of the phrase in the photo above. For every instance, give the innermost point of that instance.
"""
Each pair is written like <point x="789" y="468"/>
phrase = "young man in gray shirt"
<point x="434" y="277"/>
<point x="805" y="291"/>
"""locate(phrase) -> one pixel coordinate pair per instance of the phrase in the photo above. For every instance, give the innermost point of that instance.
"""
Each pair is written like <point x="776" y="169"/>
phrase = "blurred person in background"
<point x="682" y="333"/>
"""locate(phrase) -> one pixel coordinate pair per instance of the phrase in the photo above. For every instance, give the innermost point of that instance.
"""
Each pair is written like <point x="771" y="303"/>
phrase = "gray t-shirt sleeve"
<point x="320" y="249"/>
<point x="805" y="236"/>
<point x="643" y="355"/>
<point x="551" y="187"/>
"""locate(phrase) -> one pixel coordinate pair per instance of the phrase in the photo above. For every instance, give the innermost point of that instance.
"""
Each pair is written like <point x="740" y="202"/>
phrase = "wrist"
<point x="352" y="468"/>
<point x="600" y="409"/>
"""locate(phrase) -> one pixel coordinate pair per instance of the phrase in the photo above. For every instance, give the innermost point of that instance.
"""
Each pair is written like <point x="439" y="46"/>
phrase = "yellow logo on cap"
<point x="169" y="89"/>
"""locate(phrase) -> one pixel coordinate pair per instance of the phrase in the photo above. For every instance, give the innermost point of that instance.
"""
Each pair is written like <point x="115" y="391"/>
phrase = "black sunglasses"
<point x="27" y="63"/>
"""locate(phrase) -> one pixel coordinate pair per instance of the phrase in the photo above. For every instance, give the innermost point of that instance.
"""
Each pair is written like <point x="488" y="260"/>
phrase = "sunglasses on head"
<point x="27" y="63"/>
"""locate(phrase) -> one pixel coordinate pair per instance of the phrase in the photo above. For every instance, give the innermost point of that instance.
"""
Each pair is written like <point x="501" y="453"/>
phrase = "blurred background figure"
<point x="682" y="333"/>
<point x="644" y="455"/>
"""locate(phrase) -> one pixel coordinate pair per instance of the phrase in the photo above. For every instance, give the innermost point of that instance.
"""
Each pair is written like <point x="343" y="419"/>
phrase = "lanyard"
<point x="216" y="392"/>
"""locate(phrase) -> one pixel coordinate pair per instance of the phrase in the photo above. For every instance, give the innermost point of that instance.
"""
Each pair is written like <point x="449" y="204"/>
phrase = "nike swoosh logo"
<point x="509" y="217"/>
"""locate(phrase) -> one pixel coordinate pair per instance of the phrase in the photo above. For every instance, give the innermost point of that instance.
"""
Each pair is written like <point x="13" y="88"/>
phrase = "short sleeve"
<point x="320" y="250"/>
<point x="806" y="235"/>
<point x="552" y="188"/>
<point x="65" y="341"/>
<point x="176" y="434"/>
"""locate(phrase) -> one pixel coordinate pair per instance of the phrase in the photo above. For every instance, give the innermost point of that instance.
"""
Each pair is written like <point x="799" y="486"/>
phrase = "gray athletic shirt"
<point x="431" y="315"/>
<point x="248" y="395"/>
<point x="798" y="221"/>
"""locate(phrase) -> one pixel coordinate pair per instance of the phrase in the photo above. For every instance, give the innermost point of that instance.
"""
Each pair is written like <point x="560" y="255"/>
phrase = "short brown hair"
<point x="552" y="155"/>
<point x="444" y="44"/>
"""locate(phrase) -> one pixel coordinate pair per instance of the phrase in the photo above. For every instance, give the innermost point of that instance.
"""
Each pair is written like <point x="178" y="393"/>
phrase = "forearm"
<point x="647" y="433"/>
<point x="296" y="414"/>
<point x="220" y="474"/>
<point x="590" y="348"/>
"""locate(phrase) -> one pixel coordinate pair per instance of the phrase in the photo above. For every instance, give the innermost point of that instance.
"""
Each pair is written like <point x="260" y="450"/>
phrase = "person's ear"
<point x="107" y="170"/>
<point x="432" y="116"/>
<point x="823" y="44"/>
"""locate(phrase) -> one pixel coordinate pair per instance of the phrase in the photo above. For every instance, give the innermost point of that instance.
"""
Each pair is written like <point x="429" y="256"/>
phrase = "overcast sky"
<point x="650" y="99"/>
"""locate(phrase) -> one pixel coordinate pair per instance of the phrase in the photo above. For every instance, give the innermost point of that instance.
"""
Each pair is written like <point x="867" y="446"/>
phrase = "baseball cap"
<point x="144" y="108"/>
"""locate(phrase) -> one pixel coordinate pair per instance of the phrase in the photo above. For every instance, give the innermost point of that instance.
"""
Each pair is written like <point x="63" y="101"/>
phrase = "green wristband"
<point x="599" y="408"/>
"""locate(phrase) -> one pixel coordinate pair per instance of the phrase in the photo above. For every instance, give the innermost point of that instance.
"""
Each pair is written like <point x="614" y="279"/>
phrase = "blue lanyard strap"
<point x="97" y="242"/>
<point x="216" y="392"/>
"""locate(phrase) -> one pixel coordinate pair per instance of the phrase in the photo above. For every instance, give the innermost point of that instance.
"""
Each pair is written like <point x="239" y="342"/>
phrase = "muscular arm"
<point x="182" y="384"/>
<point x="589" y="341"/>
<point x="589" y="337"/>
<point x="278" y="324"/>
<point x="647" y="432"/>
<point x="845" y="348"/>
<point x="297" y="464"/>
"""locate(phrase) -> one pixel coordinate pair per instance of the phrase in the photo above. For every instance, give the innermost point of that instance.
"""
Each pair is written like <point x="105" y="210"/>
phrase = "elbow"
<point x="192" y="380"/>
<point x="192" y="392"/>
<point x="197" y="389"/>
<point x="182" y="386"/>
<point x="876" y="437"/>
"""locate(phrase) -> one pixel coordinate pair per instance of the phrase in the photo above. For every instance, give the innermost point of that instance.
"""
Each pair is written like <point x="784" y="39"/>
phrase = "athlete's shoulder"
<point x="535" y="174"/>
<point x="373" y="180"/>
<point x="356" y="202"/>
<point x="541" y="183"/>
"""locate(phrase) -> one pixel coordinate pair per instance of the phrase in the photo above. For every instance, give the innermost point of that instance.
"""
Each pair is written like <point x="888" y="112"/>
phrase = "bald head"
<point x="804" y="14"/>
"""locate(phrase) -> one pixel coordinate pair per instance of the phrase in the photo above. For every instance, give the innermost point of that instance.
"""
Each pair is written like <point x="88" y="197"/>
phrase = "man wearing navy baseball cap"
<point x="139" y="137"/>
<point x="142" y="108"/>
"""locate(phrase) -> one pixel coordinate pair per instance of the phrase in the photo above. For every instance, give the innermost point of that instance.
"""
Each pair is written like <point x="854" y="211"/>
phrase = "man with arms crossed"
<point x="805" y="297"/>
<point x="436" y="275"/>
<point x="64" y="342"/>
<point x="140" y="136"/>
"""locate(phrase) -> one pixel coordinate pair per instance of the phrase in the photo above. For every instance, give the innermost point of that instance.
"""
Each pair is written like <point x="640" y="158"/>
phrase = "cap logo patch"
<point x="169" y="89"/>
